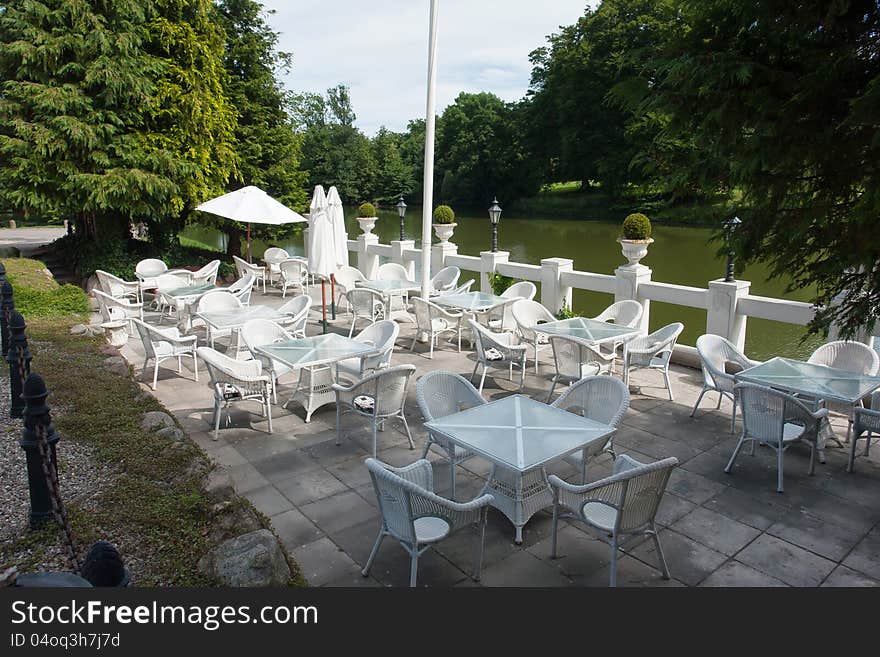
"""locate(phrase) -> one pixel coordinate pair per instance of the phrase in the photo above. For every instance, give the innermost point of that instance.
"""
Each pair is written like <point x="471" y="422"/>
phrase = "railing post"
<point x="37" y="421"/>
<point x="19" y="359"/>
<point x="397" y="249"/>
<point x="368" y="263"/>
<point x="554" y="295"/>
<point x="7" y="307"/>
<point x="629" y="277"/>
<point x="439" y="253"/>
<point x="489" y="260"/>
<point x="722" y="317"/>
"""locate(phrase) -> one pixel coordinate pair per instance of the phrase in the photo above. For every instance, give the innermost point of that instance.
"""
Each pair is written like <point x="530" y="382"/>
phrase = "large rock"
<point x="156" y="420"/>
<point x="117" y="365"/>
<point x="172" y="433"/>
<point x="79" y="329"/>
<point x="253" y="559"/>
<point x="218" y="484"/>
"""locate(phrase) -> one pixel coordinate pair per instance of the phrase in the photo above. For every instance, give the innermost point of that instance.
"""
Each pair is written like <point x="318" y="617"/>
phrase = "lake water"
<point x="680" y="254"/>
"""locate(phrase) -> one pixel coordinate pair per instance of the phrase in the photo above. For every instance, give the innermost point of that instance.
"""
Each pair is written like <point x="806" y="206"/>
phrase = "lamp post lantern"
<point x="730" y="226"/>
<point x="401" y="212"/>
<point x="494" y="218"/>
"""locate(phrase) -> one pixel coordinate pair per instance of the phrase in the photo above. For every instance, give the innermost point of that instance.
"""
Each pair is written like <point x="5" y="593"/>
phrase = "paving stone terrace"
<point x="717" y="529"/>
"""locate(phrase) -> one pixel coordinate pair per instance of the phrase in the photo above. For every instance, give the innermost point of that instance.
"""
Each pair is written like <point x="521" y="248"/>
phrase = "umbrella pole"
<point x="324" y="303"/>
<point x="333" y="296"/>
<point x="249" y="242"/>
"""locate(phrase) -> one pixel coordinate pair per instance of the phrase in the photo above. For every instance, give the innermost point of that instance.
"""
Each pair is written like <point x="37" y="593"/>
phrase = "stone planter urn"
<point x="116" y="332"/>
<point x="444" y="231"/>
<point x="634" y="250"/>
<point x="367" y="224"/>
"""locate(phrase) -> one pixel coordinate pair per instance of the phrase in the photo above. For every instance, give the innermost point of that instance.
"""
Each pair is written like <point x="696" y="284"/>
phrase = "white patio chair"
<point x="214" y="301"/>
<point x="381" y="335"/>
<point x="527" y="315"/>
<point x="464" y="287"/>
<point x="149" y="268"/>
<point x="497" y="350"/>
<point x="297" y="310"/>
<point x="435" y="321"/>
<point x="243" y="268"/>
<point x="379" y="396"/>
<point x="417" y="517"/>
<point x="294" y="273"/>
<point x="117" y="287"/>
<point x="113" y="309"/>
<point x="365" y="304"/>
<point x="160" y="344"/>
<point x="576" y="359"/>
<point x="617" y="508"/>
<point x="242" y="288"/>
<point x="444" y="280"/>
<point x="236" y="380"/>
<point x="622" y="313"/>
<point x="653" y="352"/>
<point x="169" y="305"/>
<point x="439" y="394"/>
<point x="262" y="332"/>
<point x="501" y="319"/>
<point x="207" y="275"/>
<point x="391" y="271"/>
<point x="866" y="422"/>
<point x="273" y="257"/>
<point x="346" y="279"/>
<point x="716" y="355"/>
<point x="600" y="398"/>
<point x="777" y="420"/>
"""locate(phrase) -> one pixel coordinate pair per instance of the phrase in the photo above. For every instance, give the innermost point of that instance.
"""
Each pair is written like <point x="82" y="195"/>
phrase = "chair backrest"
<point x="425" y="312"/>
<point x="363" y="301"/>
<point x="217" y="300"/>
<point x="150" y="268"/>
<point x="523" y="289"/>
<point x="766" y="411"/>
<point x="464" y="287"/>
<point x="715" y="353"/>
<point x="296" y="271"/>
<point x="439" y="394"/>
<point x="275" y="255"/>
<point x="600" y="398"/>
<point x="382" y="335"/>
<point x="484" y="339"/>
<point x="347" y="276"/>
<point x="299" y="307"/>
<point x="571" y="355"/>
<point x="146" y="337"/>
<point x="527" y="314"/>
<point x="388" y="388"/>
<point x="445" y="279"/>
<point x="636" y="490"/>
<point x="207" y="274"/>
<point x="246" y="376"/>
<point x="847" y="355"/>
<point x="398" y="498"/>
<point x="391" y="271"/>
<point x="165" y="282"/>
<point x="624" y="313"/>
<point x="261" y="332"/>
<point x="242" y="288"/>
<point x="243" y="267"/>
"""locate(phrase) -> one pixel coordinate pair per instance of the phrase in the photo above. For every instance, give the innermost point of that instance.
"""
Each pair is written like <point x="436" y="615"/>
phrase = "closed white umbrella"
<point x="337" y="220"/>
<point x="322" y="249"/>
<point x="251" y="205"/>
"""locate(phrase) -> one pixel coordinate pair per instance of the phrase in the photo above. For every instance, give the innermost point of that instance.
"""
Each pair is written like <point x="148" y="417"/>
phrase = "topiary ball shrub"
<point x="366" y="210"/>
<point x="443" y="214"/>
<point x="636" y="227"/>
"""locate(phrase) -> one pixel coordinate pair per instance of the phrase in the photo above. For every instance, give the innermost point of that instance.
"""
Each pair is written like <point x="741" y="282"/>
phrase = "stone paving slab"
<point x="716" y="529"/>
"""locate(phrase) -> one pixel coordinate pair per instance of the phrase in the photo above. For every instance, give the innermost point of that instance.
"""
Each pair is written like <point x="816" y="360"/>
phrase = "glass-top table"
<point x="315" y="358"/>
<point x="593" y="330"/>
<point x="235" y="318"/>
<point x="519" y="436"/>
<point x="188" y="291"/>
<point x="395" y="286"/>
<point x="472" y="301"/>
<point x="818" y="381"/>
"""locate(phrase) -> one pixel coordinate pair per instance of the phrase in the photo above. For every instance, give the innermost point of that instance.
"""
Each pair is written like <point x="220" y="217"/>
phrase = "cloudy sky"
<point x="379" y="49"/>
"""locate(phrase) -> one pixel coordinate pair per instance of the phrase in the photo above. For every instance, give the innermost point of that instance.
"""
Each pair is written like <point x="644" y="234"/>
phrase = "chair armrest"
<point x="420" y="473"/>
<point x="457" y="514"/>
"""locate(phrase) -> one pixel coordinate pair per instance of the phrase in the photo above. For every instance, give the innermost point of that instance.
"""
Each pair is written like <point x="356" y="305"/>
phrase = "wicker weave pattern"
<point x="865" y="423"/>
<point x="242" y="288"/>
<point x="294" y="273"/>
<point x="258" y="333"/>
<point x="623" y="313"/>
<point x="298" y="308"/>
<point x="118" y="288"/>
<point x="382" y="335"/>
<point x="503" y="343"/>
<point x="243" y="268"/>
<point x="364" y="304"/>
<point x="845" y="355"/>
<point x="114" y="309"/>
<point x="501" y="317"/>
<point x="444" y="280"/>
<point x="346" y="279"/>
<point x="527" y="314"/>
<point x="245" y="378"/>
<point x="715" y="354"/>
<point x="207" y="275"/>
<point x="434" y="320"/>
<point x="575" y="358"/>
<point x="652" y="351"/>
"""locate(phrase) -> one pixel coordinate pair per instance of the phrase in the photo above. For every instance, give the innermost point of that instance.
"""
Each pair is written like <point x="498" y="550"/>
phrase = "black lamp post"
<point x="401" y="212"/>
<point x="495" y="217"/>
<point x="730" y="226"/>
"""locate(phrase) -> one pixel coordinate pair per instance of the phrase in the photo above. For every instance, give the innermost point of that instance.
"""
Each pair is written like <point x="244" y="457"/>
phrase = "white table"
<point x="390" y="290"/>
<point x="591" y="330"/>
<point x="519" y="436"/>
<point x="233" y="319"/>
<point x="315" y="357"/>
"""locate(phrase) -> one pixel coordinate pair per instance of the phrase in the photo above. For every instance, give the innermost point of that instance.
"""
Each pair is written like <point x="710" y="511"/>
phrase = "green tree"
<point x="340" y="155"/>
<point x="412" y="152"/>
<point x="782" y="101"/>
<point x="393" y="175"/>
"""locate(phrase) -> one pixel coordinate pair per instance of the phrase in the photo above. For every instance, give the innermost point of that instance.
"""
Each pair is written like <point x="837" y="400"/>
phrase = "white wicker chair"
<point x="262" y="332"/>
<point x="207" y="275"/>
<point x="294" y="273"/>
<point x="439" y="394"/>
<point x="716" y="354"/>
<point x="273" y="257"/>
<point x="600" y="398"/>
<point x="298" y="310"/>
<point x="113" y="309"/>
<point x="236" y="380"/>
<point x="653" y="352"/>
<point x="117" y="287"/>
<point x="623" y="313"/>
<point x="346" y="279"/>
<point x="378" y="396"/>
<point x="215" y="301"/>
<point x="148" y="269"/>
<point x="365" y="304"/>
<point x="382" y="335"/>
<point x="417" y="517"/>
<point x="163" y="343"/>
<point x="866" y="422"/>
<point x="617" y="508"/>
<point x="169" y="305"/>
<point x="501" y="319"/>
<point x="576" y="359"/>
<point x="435" y="321"/>
<point x="444" y="280"/>
<point x="776" y="419"/>
<point x="243" y="268"/>
<point x="391" y="271"/>
<point x="527" y="314"/>
<point x="242" y="288"/>
<point x="497" y="350"/>
<point x="464" y="287"/>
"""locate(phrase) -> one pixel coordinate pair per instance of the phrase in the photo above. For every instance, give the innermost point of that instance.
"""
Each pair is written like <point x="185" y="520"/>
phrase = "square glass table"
<point x="315" y="358"/>
<point x="188" y="291"/>
<point x="238" y="317"/>
<point x="519" y="435"/>
<point x="817" y="381"/>
<point x="592" y="330"/>
<point x="390" y="290"/>
<point x="472" y="301"/>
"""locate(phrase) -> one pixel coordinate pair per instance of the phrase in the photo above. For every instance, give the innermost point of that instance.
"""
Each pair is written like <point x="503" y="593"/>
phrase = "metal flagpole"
<point x="428" y="186"/>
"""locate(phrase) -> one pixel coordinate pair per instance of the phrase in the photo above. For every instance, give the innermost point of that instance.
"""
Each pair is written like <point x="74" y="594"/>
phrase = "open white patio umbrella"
<point x="340" y="239"/>
<point x="323" y="256"/>
<point x="251" y="205"/>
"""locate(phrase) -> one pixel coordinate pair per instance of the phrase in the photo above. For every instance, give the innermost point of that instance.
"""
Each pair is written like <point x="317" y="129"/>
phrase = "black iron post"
<point x="19" y="359"/>
<point x="7" y="305"/>
<point x="37" y="427"/>
<point x="730" y="227"/>
<point x="401" y="212"/>
<point x="494" y="218"/>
